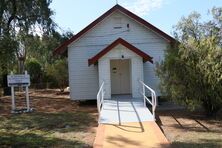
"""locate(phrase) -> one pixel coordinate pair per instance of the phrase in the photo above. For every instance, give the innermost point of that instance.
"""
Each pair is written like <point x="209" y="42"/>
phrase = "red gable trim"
<point x="62" y="47"/>
<point x="145" y="56"/>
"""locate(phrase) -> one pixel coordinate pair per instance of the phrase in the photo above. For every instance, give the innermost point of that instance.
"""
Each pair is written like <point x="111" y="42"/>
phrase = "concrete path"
<point x="124" y="109"/>
<point x="129" y="135"/>
<point x="125" y="122"/>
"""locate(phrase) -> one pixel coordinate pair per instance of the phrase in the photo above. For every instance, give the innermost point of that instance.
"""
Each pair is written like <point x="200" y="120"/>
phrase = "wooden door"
<point x="120" y="76"/>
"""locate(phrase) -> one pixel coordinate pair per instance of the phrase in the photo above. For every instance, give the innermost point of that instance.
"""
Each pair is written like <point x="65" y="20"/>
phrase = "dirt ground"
<point x="49" y="106"/>
<point x="59" y="122"/>
<point x="46" y="101"/>
<point x="185" y="129"/>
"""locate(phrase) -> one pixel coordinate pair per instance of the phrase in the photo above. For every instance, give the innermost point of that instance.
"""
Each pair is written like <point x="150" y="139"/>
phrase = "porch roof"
<point x="121" y="41"/>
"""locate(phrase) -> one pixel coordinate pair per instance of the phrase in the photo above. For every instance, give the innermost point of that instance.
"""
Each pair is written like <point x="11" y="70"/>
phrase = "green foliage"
<point x="35" y="29"/>
<point x="21" y="18"/>
<point x="42" y="48"/>
<point x="34" y="69"/>
<point x="192" y="71"/>
<point x="25" y="15"/>
<point x="7" y="59"/>
<point x="59" y="72"/>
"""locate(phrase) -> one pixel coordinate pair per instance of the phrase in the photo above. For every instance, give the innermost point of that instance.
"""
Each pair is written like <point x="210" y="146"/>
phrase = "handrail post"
<point x="153" y="109"/>
<point x="100" y="98"/>
<point x="98" y="108"/>
<point x="154" y="114"/>
<point x="144" y="99"/>
<point x="153" y="102"/>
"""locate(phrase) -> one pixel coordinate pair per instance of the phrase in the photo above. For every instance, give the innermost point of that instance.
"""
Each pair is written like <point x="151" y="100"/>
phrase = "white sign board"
<point x="18" y="80"/>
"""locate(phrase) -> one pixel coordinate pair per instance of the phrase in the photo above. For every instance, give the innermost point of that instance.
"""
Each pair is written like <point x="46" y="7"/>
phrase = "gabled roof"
<point x="63" y="47"/>
<point x="121" y="41"/>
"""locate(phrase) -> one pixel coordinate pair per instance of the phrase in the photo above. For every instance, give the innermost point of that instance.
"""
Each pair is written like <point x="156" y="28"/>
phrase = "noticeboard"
<point x="18" y="80"/>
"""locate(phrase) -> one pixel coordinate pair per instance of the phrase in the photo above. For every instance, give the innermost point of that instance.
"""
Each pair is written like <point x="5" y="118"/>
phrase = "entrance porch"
<point x="120" y="67"/>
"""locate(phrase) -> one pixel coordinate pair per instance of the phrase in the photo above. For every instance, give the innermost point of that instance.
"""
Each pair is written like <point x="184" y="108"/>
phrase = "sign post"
<point x="16" y="81"/>
<point x="27" y="93"/>
<point x="13" y="97"/>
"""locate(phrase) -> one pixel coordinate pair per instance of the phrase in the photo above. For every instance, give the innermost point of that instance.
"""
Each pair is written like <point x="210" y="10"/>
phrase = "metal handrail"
<point x="100" y="97"/>
<point x="153" y="96"/>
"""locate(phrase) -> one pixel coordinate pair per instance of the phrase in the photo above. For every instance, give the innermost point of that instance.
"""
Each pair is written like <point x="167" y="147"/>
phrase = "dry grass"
<point x="187" y="129"/>
<point x="56" y="122"/>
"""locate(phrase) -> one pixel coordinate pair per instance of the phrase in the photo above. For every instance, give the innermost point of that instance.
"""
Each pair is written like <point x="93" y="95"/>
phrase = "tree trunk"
<point x="21" y="66"/>
<point x="21" y="69"/>
<point x="6" y="89"/>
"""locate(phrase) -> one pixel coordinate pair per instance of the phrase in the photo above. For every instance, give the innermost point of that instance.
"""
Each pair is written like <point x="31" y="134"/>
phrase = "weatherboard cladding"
<point x="117" y="7"/>
<point x="84" y="79"/>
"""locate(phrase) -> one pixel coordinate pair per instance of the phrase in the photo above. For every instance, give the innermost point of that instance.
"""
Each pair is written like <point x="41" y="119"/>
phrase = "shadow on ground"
<point x="204" y="144"/>
<point x="185" y="129"/>
<point x="116" y="141"/>
<point x="35" y="140"/>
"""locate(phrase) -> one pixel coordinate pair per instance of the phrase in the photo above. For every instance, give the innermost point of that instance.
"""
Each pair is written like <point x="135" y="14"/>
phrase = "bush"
<point x="34" y="70"/>
<point x="58" y="73"/>
<point x="191" y="73"/>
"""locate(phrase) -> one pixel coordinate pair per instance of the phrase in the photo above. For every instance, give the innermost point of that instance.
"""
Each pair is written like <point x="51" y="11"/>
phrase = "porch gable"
<point x="121" y="41"/>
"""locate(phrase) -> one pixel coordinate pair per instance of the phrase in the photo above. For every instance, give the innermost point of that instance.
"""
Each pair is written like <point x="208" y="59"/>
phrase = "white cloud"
<point x="143" y="7"/>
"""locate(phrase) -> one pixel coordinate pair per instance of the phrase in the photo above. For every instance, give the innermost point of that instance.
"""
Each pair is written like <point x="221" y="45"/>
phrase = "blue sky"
<point x="74" y="15"/>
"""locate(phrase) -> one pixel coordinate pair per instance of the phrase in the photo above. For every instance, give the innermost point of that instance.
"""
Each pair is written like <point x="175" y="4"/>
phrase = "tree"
<point x="7" y="58"/>
<point x="45" y="45"/>
<point x="22" y="17"/>
<point x="191" y="73"/>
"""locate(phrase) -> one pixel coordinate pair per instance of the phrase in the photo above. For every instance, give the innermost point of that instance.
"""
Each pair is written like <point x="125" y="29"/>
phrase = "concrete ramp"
<point x="122" y="109"/>
<point x="126" y="122"/>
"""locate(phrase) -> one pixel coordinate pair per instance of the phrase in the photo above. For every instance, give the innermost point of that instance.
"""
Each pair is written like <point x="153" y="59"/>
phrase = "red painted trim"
<point x="147" y="24"/>
<point x="62" y="48"/>
<point x="121" y="41"/>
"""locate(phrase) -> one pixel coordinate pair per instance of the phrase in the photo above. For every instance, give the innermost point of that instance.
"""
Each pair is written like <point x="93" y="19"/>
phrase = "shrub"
<point x="34" y="70"/>
<point x="59" y="72"/>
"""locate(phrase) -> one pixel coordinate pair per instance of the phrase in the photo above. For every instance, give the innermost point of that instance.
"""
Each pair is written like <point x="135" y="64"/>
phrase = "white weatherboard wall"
<point x="136" y="69"/>
<point x="84" y="79"/>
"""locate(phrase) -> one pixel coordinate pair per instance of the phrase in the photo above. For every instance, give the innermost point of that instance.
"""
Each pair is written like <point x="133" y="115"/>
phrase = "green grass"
<point x="44" y="129"/>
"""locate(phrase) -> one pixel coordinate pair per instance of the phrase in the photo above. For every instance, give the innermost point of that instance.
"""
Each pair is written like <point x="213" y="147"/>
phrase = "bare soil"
<point x="190" y="129"/>
<point x="56" y="121"/>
